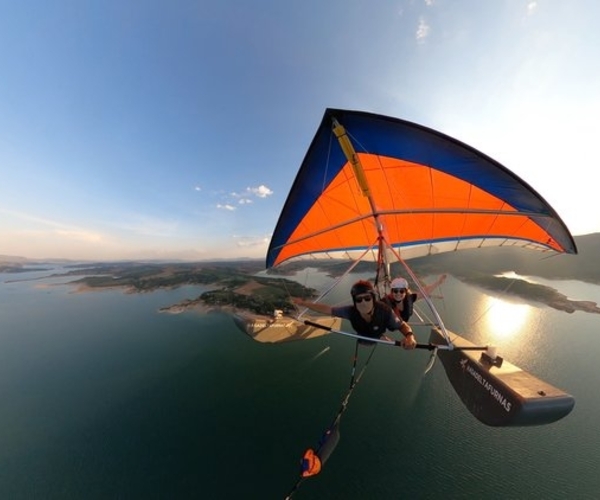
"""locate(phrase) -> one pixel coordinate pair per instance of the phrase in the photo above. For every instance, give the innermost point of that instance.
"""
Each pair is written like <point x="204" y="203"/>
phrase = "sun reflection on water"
<point x="505" y="319"/>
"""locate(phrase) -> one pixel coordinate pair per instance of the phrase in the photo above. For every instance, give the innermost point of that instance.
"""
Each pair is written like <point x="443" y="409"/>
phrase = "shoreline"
<point x="553" y="298"/>
<point x="200" y="308"/>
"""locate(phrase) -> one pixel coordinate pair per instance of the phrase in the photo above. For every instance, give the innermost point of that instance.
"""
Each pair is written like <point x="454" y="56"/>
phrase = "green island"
<point x="236" y="285"/>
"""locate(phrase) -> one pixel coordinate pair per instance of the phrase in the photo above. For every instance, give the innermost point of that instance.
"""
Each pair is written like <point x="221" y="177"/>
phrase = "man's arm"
<point x="409" y="341"/>
<point x="405" y="329"/>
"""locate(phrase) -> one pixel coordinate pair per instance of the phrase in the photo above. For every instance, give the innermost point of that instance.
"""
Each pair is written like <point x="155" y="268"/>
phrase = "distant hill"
<point x="12" y="259"/>
<point x="490" y="261"/>
<point x="584" y="266"/>
<point x="479" y="267"/>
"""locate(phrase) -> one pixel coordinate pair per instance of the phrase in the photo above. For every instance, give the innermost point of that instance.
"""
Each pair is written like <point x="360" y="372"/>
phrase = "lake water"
<point x="103" y="397"/>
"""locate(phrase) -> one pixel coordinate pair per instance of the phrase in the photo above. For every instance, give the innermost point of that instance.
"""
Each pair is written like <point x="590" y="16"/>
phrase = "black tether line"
<point x="331" y="436"/>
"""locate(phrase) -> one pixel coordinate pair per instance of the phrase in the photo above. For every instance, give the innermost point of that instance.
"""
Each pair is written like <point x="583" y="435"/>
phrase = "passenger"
<point x="369" y="317"/>
<point x="401" y="298"/>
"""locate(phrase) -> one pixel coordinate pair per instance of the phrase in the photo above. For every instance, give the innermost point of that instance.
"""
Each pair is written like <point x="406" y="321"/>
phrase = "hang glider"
<point x="382" y="189"/>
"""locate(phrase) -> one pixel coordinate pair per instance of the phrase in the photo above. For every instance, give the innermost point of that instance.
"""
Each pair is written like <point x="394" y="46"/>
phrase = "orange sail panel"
<point x="428" y="193"/>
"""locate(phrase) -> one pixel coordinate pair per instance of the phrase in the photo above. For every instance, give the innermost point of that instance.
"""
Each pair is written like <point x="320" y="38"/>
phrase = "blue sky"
<point x="174" y="130"/>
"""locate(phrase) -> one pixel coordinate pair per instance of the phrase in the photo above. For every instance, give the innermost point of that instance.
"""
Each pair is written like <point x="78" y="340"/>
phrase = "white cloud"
<point x="252" y="241"/>
<point x="531" y="7"/>
<point x="429" y="3"/>
<point x="261" y="191"/>
<point x="37" y="237"/>
<point x="422" y="30"/>
<point x="77" y="235"/>
<point x="197" y="188"/>
<point x="40" y="225"/>
<point x="229" y="203"/>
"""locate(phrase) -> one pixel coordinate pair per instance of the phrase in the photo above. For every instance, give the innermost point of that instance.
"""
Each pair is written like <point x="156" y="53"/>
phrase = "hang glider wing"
<point x="425" y="191"/>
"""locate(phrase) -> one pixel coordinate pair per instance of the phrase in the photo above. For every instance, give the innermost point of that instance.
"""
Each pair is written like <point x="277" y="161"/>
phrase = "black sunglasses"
<point x="399" y="290"/>
<point x="366" y="298"/>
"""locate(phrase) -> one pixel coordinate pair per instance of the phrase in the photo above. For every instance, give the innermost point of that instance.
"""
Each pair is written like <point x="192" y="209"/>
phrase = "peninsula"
<point x="237" y="285"/>
<point x="233" y="285"/>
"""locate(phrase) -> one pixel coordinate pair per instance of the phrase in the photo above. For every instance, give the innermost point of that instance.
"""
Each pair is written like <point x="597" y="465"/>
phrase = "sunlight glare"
<point x="505" y="319"/>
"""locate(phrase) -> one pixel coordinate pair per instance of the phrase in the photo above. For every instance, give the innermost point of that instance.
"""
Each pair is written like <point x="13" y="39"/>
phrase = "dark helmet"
<point x="361" y="287"/>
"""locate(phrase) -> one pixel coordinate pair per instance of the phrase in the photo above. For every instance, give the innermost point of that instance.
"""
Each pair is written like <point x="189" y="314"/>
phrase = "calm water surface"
<point x="103" y="397"/>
